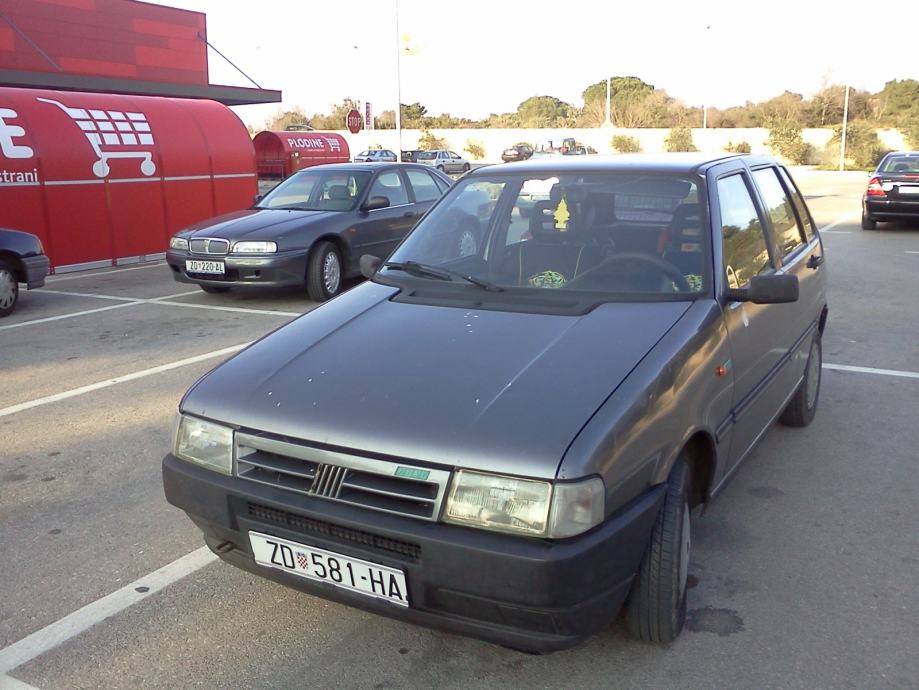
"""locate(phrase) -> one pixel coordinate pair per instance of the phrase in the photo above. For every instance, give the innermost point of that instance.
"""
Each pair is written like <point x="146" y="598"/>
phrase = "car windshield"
<point x="317" y="190"/>
<point x="624" y="235"/>
<point x="426" y="155"/>
<point x="901" y="164"/>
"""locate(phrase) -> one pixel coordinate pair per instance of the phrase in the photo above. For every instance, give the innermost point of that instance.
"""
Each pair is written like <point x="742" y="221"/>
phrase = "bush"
<point x="475" y="149"/>
<point x="911" y="133"/>
<point x="375" y="147"/>
<point x="739" y="147"/>
<point x="863" y="148"/>
<point x="429" y="142"/>
<point x="625" y="144"/>
<point x="680" y="139"/>
<point x="785" y="140"/>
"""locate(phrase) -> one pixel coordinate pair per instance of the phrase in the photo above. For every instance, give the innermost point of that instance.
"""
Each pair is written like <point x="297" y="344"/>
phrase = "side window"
<point x="744" y="243"/>
<point x="787" y="236"/>
<point x="800" y="206"/>
<point x="389" y="184"/>
<point x="453" y="155"/>
<point x="423" y="184"/>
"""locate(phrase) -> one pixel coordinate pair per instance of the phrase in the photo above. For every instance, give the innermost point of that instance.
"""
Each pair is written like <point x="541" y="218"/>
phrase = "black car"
<point x="512" y="443"/>
<point x="22" y="260"/>
<point x="410" y="156"/>
<point x="311" y="229"/>
<point x="518" y="152"/>
<point x="893" y="191"/>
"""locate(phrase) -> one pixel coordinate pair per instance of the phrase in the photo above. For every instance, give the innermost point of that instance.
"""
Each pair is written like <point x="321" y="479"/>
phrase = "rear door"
<point x="381" y="230"/>
<point x="424" y="188"/>
<point x="753" y="329"/>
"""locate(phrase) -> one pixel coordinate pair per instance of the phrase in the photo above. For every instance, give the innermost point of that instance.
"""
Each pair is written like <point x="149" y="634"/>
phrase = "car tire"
<point x="868" y="223"/>
<point x="802" y="407"/>
<point x="214" y="289"/>
<point x="9" y="289"/>
<point x="441" y="168"/>
<point x="655" y="609"/>
<point x="324" y="272"/>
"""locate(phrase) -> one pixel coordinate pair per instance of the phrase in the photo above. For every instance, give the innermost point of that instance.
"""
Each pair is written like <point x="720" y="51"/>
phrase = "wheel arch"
<point x="15" y="262"/>
<point x="700" y="455"/>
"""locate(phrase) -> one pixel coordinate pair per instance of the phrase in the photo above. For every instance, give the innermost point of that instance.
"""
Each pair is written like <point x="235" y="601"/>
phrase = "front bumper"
<point x="36" y="268"/>
<point x="529" y="594"/>
<point x="271" y="270"/>
<point x="886" y="208"/>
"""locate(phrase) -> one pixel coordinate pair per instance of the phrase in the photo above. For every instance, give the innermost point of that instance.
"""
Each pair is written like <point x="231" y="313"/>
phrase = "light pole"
<point x="398" y="86"/>
<point x="845" y="119"/>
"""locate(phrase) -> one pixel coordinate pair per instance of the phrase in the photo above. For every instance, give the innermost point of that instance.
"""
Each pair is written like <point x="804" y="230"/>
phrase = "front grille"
<point x="209" y="245"/>
<point x="335" y="532"/>
<point x="370" y="483"/>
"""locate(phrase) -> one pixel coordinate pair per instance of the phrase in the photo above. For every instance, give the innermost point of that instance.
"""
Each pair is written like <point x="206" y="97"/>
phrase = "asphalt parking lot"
<point x="805" y="570"/>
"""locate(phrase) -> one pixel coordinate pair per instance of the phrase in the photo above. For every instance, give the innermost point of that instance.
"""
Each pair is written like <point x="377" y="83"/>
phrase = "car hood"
<point x="488" y="390"/>
<point x="254" y="223"/>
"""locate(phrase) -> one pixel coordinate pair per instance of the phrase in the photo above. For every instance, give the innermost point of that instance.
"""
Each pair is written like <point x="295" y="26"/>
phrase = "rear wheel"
<point x="868" y="223"/>
<point x="214" y="289"/>
<point x="655" y="610"/>
<point x="441" y="168"/>
<point x="803" y="405"/>
<point x="9" y="289"/>
<point x="323" y="274"/>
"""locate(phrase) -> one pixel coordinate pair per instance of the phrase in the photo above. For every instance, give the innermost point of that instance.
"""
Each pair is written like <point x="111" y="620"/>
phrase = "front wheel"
<point x="802" y="407"/>
<point x="655" y="609"/>
<point x="323" y="274"/>
<point x="9" y="289"/>
<point x="441" y="168"/>
<point x="868" y="223"/>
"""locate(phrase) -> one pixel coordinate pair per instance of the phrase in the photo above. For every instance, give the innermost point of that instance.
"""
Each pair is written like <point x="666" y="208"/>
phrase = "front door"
<point x="381" y="230"/>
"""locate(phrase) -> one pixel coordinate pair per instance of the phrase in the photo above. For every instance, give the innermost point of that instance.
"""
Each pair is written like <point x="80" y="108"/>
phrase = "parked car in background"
<point x="445" y="161"/>
<point x="375" y="156"/>
<point x="893" y="191"/>
<point x="581" y="150"/>
<point x="22" y="260"/>
<point x="511" y="443"/>
<point x="517" y="152"/>
<point x="309" y="230"/>
<point x="410" y="156"/>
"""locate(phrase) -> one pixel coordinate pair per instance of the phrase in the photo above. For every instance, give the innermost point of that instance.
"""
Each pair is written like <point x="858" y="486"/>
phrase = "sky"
<point x="476" y="57"/>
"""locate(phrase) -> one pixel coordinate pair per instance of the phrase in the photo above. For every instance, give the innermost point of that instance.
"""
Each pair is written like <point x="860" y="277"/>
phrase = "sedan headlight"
<point x="525" y="506"/>
<point x="255" y="248"/>
<point x="205" y="443"/>
<point x="178" y="243"/>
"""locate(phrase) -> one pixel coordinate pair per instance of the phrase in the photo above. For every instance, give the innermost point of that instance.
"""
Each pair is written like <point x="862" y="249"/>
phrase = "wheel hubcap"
<point x="7" y="289"/>
<point x="467" y="244"/>
<point x="331" y="273"/>
<point x="813" y="376"/>
<point x="685" y="547"/>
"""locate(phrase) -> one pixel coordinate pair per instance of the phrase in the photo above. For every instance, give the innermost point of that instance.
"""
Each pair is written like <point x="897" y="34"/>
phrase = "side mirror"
<point x="770" y="289"/>
<point x="370" y="264"/>
<point x="257" y="199"/>
<point x="374" y="203"/>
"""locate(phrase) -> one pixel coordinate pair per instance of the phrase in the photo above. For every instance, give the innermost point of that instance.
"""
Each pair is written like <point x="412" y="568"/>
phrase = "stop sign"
<point x="354" y="122"/>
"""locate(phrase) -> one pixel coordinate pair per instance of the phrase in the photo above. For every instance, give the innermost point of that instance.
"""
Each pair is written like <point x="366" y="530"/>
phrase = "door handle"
<point x="814" y="261"/>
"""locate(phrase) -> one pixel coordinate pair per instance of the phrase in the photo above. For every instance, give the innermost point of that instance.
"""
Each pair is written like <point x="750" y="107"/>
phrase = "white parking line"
<point x="246" y="310"/>
<point x="848" y="218"/>
<point x="835" y="232"/>
<point x="909" y="251"/>
<point x="73" y="392"/>
<point x="872" y="370"/>
<point x="33" y="322"/>
<point x="8" y="683"/>
<point x="58" y="279"/>
<point x="83" y="619"/>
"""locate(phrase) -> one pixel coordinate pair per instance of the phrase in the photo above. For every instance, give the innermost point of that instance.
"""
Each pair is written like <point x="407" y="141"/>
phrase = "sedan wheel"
<point x="324" y="273"/>
<point x="9" y="290"/>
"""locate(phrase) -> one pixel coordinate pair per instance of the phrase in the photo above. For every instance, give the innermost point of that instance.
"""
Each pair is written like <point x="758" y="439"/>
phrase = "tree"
<point x="386" y="120"/>
<point x="785" y="139"/>
<point x="634" y="103"/>
<point x="337" y="118"/>
<point x="283" y="118"/>
<point x="413" y="116"/>
<point x="544" y="111"/>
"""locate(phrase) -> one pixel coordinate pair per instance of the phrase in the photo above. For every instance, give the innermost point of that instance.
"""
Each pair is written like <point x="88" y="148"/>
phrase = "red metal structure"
<point x="104" y="178"/>
<point x="279" y="154"/>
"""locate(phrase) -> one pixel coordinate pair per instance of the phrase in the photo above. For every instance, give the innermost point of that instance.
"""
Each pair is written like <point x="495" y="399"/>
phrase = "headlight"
<point x="205" y="443"/>
<point x="178" y="243"/>
<point x="255" y="247"/>
<point x="525" y="506"/>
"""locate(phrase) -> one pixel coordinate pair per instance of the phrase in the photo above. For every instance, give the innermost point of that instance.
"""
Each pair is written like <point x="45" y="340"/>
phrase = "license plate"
<point x="908" y="190"/>
<point x="371" y="579"/>
<point x="215" y="267"/>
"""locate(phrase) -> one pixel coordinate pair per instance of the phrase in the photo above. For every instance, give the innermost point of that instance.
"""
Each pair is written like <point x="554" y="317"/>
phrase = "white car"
<point x="375" y="156"/>
<point x="445" y="161"/>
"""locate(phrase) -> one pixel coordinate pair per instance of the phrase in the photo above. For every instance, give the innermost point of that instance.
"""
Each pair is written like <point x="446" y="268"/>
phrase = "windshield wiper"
<point x="419" y="270"/>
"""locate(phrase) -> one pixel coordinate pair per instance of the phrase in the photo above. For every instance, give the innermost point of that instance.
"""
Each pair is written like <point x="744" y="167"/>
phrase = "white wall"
<point x="495" y="141"/>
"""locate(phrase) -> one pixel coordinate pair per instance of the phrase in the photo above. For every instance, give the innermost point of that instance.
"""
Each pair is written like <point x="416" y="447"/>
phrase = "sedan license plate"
<point x="908" y="190"/>
<point x="371" y="579"/>
<point x="215" y="267"/>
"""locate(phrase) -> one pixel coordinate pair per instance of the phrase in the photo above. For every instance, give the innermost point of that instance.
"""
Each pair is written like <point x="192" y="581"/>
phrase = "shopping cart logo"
<point x="113" y="134"/>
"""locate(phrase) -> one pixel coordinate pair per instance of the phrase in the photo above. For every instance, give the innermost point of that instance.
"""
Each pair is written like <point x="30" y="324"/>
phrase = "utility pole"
<point x="845" y="120"/>
<point x="398" y="87"/>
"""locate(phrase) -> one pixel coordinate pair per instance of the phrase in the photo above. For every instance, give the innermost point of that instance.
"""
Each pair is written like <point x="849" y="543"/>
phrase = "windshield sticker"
<point x="548" y="279"/>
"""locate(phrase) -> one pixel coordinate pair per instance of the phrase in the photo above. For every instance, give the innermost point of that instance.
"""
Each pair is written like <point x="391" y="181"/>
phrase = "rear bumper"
<point x="529" y="594"/>
<point x="274" y="270"/>
<point x="881" y="208"/>
<point x="36" y="268"/>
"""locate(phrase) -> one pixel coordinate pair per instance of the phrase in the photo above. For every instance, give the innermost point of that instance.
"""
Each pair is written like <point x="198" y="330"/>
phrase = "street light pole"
<point x="845" y="120"/>
<point x="398" y="86"/>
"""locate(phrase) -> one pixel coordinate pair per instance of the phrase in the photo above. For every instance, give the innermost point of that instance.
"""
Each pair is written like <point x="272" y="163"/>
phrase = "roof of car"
<point x="365" y="166"/>
<point x="662" y="162"/>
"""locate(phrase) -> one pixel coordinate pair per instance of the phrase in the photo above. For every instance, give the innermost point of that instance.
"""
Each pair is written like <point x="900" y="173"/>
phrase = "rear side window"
<point x="800" y="206"/>
<point x="389" y="184"/>
<point x="744" y="245"/>
<point x="424" y="185"/>
<point x="787" y="236"/>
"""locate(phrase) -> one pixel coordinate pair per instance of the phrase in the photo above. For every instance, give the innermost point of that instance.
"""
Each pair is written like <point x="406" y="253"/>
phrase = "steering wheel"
<point x="664" y="267"/>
